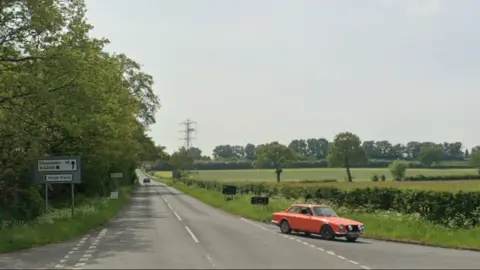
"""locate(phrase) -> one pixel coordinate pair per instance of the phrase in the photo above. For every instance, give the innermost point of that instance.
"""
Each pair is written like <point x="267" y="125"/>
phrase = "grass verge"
<point x="59" y="225"/>
<point x="381" y="225"/>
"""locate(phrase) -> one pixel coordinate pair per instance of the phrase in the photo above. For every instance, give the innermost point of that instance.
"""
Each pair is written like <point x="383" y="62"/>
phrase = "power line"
<point x="187" y="132"/>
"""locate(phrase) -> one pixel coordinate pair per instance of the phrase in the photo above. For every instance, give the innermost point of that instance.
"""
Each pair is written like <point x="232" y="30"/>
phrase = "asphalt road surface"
<point x="164" y="228"/>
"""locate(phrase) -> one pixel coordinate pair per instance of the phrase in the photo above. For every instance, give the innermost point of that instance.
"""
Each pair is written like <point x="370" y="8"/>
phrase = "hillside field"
<point x="361" y="178"/>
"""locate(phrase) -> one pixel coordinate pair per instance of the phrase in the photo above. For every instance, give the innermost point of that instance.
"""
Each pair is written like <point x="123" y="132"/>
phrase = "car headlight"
<point x="341" y="227"/>
<point x="361" y="227"/>
<point x="349" y="227"/>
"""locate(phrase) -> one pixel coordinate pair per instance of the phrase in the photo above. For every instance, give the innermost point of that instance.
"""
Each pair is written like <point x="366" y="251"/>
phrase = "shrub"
<point x="398" y="169"/>
<point x="374" y="178"/>
<point x="383" y="178"/>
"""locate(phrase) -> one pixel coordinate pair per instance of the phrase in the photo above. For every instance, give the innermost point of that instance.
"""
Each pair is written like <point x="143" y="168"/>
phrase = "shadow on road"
<point x="337" y="240"/>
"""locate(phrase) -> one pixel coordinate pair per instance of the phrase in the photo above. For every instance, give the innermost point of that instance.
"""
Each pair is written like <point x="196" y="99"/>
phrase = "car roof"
<point x="308" y="205"/>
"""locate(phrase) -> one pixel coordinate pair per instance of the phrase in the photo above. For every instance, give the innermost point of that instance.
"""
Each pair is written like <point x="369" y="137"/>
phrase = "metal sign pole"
<point x="46" y="197"/>
<point x="73" y="197"/>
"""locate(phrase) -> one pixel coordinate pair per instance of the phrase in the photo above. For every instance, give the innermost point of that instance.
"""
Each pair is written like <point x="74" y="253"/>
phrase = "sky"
<point x="250" y="71"/>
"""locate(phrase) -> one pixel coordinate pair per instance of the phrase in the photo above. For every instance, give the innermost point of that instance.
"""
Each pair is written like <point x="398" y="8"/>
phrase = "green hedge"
<point x="455" y="210"/>
<point x="246" y="164"/>
<point x="421" y="177"/>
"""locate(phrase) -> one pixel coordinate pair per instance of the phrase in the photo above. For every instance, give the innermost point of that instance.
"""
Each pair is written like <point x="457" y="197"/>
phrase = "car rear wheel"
<point x="285" y="227"/>
<point x="327" y="232"/>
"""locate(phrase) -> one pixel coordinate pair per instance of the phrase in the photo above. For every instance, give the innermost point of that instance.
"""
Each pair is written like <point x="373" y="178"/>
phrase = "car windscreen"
<point x="324" y="212"/>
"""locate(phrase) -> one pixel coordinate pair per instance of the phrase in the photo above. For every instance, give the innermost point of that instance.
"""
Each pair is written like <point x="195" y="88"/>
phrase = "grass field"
<point x="362" y="178"/>
<point x="392" y="226"/>
<point x="360" y="174"/>
<point x="59" y="225"/>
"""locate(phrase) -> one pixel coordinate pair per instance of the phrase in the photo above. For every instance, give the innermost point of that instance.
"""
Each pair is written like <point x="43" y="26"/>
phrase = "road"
<point x="164" y="228"/>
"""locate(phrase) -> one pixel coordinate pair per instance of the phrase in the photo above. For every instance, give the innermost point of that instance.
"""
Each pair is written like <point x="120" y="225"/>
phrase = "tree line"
<point x="63" y="94"/>
<point x="318" y="149"/>
<point x="346" y="150"/>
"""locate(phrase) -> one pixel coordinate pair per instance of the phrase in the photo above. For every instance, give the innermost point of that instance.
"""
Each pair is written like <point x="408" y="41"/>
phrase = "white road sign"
<point x="58" y="178"/>
<point x="57" y="165"/>
<point x="114" y="195"/>
<point x="116" y="175"/>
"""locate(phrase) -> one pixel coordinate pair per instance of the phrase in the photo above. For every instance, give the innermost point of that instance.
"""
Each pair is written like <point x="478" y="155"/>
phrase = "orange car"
<point x="317" y="219"/>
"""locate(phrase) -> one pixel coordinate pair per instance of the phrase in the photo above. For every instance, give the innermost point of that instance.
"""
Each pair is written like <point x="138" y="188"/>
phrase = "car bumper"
<point x="274" y="222"/>
<point x="353" y="234"/>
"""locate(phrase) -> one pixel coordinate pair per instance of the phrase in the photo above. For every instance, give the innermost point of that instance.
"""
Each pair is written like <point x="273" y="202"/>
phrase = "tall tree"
<point x="275" y="154"/>
<point x="250" y="151"/>
<point x="346" y="150"/>
<point x="429" y="155"/>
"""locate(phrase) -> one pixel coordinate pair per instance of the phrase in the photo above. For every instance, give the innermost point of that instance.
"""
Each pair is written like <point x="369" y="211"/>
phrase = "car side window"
<point x="306" y="211"/>
<point x="293" y="210"/>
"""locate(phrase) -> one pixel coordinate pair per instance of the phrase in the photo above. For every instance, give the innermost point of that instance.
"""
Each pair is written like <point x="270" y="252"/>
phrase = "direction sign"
<point x="58" y="170"/>
<point x="116" y="175"/>
<point x="57" y="165"/>
<point x="58" y="178"/>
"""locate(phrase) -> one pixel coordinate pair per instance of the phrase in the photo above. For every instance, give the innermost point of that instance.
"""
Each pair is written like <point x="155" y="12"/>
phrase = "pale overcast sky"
<point x="264" y="70"/>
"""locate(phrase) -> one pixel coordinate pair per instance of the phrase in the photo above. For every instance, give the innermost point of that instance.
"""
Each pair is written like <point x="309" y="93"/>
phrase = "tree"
<point x="467" y="154"/>
<point x="475" y="159"/>
<point x="62" y="94"/>
<point x="195" y="153"/>
<point x="299" y="147"/>
<point x="429" y="155"/>
<point x="181" y="160"/>
<point x="398" y="169"/>
<point x="346" y="151"/>
<point x="250" y="151"/>
<point x="275" y="154"/>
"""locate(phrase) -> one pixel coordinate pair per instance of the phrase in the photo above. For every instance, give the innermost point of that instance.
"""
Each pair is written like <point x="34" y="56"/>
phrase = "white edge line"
<point x="192" y="235"/>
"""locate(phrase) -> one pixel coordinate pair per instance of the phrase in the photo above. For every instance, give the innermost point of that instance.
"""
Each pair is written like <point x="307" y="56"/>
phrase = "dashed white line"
<point x="195" y="239"/>
<point x="310" y="245"/>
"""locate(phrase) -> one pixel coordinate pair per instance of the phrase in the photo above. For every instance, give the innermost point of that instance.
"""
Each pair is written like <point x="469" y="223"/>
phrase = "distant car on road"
<point x="317" y="219"/>
<point x="146" y="180"/>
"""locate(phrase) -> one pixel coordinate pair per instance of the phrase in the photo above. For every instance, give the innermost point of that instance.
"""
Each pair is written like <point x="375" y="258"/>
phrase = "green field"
<point x="360" y="174"/>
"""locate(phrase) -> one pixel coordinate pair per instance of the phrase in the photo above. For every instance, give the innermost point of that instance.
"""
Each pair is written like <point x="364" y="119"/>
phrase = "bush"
<point x="398" y="169"/>
<point x="374" y="178"/>
<point x="421" y="177"/>
<point x="383" y="178"/>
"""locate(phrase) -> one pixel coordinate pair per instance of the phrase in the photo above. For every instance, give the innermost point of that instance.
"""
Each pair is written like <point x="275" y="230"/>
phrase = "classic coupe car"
<point x="317" y="219"/>
<point x="146" y="180"/>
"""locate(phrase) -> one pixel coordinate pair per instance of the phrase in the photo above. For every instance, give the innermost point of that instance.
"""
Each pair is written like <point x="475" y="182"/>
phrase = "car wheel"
<point x="327" y="232"/>
<point x="285" y="227"/>
<point x="351" y="239"/>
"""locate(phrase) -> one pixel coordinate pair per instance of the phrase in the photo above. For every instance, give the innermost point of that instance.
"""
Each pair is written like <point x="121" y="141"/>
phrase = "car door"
<point x="293" y="217"/>
<point x="304" y="219"/>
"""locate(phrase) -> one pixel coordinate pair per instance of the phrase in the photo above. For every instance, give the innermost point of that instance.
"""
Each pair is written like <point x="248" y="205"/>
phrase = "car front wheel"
<point x="327" y="232"/>
<point x="285" y="227"/>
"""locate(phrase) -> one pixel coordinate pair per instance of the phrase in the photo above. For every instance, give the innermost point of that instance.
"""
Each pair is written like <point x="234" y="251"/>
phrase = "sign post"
<point x="115" y="176"/>
<point x="229" y="192"/>
<point x="58" y="170"/>
<point x="259" y="201"/>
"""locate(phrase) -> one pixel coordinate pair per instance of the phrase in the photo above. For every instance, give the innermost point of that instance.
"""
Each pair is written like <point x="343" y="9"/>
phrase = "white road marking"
<point x="305" y="243"/>
<point x="192" y="235"/>
<point x="63" y="261"/>
<point x="92" y="247"/>
<point x="59" y="266"/>
<point x="80" y="265"/>
<point x="178" y="217"/>
<point x="210" y="259"/>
